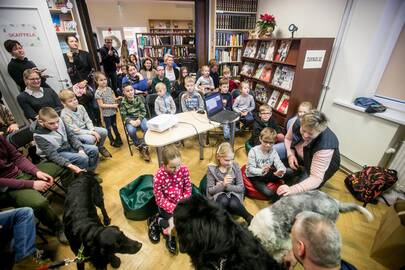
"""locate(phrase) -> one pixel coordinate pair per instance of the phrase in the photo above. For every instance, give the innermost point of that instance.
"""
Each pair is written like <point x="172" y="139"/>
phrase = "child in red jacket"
<point x="171" y="184"/>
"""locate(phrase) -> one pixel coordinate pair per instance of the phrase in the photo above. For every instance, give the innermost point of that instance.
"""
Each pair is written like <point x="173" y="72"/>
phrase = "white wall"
<point x="363" y="138"/>
<point x="135" y="13"/>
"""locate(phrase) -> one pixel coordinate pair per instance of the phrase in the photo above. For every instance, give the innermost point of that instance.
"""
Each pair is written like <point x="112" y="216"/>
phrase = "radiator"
<point x="398" y="164"/>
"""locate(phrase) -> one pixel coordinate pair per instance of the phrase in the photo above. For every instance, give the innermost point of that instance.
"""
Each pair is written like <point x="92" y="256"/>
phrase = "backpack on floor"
<point x="368" y="184"/>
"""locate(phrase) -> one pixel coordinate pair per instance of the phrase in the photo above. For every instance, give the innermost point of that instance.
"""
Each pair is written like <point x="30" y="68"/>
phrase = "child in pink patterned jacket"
<point x="171" y="184"/>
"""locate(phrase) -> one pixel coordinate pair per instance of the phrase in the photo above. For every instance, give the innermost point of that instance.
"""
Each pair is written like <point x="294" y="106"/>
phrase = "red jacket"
<point x="11" y="163"/>
<point x="169" y="188"/>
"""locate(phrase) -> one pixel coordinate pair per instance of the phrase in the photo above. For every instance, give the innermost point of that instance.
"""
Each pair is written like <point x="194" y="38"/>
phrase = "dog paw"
<point x="115" y="262"/>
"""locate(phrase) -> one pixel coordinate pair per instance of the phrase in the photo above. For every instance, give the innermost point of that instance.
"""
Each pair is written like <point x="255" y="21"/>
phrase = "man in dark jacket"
<point x="109" y="58"/>
<point x="19" y="63"/>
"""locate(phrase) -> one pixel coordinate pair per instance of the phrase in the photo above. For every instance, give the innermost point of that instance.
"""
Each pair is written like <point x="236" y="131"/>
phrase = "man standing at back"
<point x="109" y="58"/>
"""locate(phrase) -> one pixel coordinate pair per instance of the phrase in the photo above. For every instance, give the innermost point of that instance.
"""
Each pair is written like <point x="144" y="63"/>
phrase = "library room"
<point x="202" y="134"/>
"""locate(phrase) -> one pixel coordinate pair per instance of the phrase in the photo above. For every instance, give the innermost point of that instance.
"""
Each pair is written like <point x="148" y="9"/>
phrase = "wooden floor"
<point x="357" y="233"/>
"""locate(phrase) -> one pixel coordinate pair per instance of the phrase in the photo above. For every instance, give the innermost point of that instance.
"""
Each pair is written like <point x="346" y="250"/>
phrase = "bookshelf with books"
<point x="233" y="21"/>
<point x="159" y="26"/>
<point x="286" y="72"/>
<point x="156" y="45"/>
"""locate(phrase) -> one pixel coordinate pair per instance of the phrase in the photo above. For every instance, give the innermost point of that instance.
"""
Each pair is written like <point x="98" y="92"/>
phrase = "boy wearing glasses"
<point x="264" y="164"/>
<point x="264" y="120"/>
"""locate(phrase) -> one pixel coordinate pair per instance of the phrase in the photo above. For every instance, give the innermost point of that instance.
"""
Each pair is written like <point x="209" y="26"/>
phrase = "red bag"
<point x="368" y="184"/>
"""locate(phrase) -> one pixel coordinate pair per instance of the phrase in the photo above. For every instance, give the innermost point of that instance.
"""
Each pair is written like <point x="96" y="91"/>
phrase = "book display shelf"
<point x="158" y="26"/>
<point x="285" y="72"/>
<point x="233" y="21"/>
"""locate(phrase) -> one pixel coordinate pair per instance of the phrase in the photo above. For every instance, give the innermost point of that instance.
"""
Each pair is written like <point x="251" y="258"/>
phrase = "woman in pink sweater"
<point x="312" y="145"/>
<point x="171" y="184"/>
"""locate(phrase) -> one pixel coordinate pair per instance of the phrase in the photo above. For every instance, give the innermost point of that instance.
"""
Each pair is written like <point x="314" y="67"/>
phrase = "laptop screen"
<point x="213" y="104"/>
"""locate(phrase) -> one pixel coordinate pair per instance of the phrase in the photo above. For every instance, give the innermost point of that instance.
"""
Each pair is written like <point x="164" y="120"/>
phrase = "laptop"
<point x="215" y="109"/>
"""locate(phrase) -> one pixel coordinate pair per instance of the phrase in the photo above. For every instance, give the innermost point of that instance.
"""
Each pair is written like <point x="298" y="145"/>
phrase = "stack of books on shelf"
<point x="282" y="51"/>
<point x="247" y="69"/>
<point x="250" y="49"/>
<point x="228" y="21"/>
<point x="266" y="51"/>
<point x="283" y="77"/>
<point x="237" y="5"/>
<point x="182" y="52"/>
<point x="260" y="93"/>
<point x="228" y="39"/>
<point x="183" y="40"/>
<point x="232" y="55"/>
<point x="154" y="52"/>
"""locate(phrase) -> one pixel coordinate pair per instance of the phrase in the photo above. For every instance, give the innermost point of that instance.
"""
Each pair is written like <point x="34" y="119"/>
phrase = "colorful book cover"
<point x="250" y="49"/>
<point x="283" y="104"/>
<point x="273" y="98"/>
<point x="266" y="73"/>
<point x="259" y="71"/>
<point x="270" y="51"/>
<point x="264" y="46"/>
<point x="260" y="93"/>
<point x="248" y="68"/>
<point x="283" y="77"/>
<point x="283" y="50"/>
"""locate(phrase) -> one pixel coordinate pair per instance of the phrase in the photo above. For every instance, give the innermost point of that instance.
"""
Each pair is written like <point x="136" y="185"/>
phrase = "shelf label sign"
<point x="314" y="59"/>
<point x="26" y="34"/>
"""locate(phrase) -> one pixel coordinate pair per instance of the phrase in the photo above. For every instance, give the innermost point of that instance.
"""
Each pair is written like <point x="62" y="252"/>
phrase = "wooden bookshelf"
<point x="159" y="26"/>
<point x="233" y="21"/>
<point x="306" y="84"/>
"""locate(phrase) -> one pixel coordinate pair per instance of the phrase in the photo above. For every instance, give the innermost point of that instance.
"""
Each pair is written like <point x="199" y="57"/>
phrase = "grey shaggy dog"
<point x="272" y="225"/>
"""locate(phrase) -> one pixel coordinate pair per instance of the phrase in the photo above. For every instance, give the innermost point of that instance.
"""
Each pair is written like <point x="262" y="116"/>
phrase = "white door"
<point x="29" y="22"/>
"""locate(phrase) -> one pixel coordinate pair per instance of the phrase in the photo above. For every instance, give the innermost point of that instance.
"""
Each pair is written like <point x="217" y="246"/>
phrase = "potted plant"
<point x="265" y="26"/>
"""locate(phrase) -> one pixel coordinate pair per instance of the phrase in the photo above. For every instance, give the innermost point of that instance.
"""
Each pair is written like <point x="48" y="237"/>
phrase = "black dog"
<point x="83" y="226"/>
<point x="208" y="234"/>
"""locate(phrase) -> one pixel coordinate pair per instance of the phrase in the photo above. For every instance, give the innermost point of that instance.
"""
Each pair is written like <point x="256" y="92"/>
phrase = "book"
<point x="260" y="93"/>
<point x="283" y="77"/>
<point x="270" y="51"/>
<point x="69" y="26"/>
<point x="259" y="71"/>
<point x="250" y="49"/>
<point x="266" y="73"/>
<point x="248" y="69"/>
<point x="283" y="50"/>
<point x="237" y="5"/>
<point x="236" y="21"/>
<point x="266" y="50"/>
<point x="283" y="104"/>
<point x="273" y="99"/>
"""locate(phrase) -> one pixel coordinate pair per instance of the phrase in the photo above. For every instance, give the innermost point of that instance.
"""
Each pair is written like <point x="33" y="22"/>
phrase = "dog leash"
<point x="78" y="259"/>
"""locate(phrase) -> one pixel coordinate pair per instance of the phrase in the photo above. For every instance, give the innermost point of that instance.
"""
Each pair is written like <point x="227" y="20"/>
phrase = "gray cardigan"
<point x="215" y="179"/>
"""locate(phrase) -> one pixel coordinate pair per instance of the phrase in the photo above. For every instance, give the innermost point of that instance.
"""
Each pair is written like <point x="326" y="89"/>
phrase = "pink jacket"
<point x="169" y="188"/>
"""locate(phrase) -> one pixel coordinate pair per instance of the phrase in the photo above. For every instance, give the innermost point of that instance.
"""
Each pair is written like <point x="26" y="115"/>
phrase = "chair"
<point x="180" y="96"/>
<point x="150" y="105"/>
<point x="23" y="137"/>
<point x="129" y="140"/>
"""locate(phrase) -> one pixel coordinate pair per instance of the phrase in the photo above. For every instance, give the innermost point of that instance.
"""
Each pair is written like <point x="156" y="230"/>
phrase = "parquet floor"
<point x="357" y="233"/>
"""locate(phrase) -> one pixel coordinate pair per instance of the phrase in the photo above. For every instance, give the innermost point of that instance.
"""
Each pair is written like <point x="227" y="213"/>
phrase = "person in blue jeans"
<point x="17" y="231"/>
<point x="58" y="143"/>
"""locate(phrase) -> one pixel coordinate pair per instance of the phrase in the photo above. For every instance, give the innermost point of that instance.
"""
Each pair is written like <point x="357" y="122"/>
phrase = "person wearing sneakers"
<point x="170" y="185"/>
<point x="76" y="118"/>
<point x="133" y="113"/>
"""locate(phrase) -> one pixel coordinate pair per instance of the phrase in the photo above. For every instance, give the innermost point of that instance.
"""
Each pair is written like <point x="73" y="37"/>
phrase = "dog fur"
<point x="208" y="234"/>
<point x="83" y="226"/>
<point x="272" y="225"/>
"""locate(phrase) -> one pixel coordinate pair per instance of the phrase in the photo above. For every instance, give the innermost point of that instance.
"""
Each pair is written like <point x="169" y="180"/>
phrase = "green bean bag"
<point x="203" y="185"/>
<point x="138" y="200"/>
<point x="248" y="146"/>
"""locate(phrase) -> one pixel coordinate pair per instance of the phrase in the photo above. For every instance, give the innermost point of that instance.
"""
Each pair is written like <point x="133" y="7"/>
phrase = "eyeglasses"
<point x="34" y="79"/>
<point x="265" y="113"/>
<point x="268" y="142"/>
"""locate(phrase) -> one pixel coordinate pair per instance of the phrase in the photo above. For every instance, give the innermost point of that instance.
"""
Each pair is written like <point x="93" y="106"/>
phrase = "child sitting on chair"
<point x="164" y="104"/>
<point x="225" y="183"/>
<point x="191" y="100"/>
<point x="261" y="160"/>
<point x="160" y="77"/>
<point x="57" y="143"/>
<point x="244" y="105"/>
<point x="227" y="102"/>
<point x="264" y="120"/>
<point x="76" y="118"/>
<point x="205" y="84"/>
<point x="133" y="114"/>
<point x="170" y="185"/>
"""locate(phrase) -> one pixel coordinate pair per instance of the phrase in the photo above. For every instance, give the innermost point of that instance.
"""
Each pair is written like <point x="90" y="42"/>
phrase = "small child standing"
<point x="160" y="77"/>
<point x="205" y="84"/>
<point x="227" y="101"/>
<point x="164" y="104"/>
<point x="264" y="120"/>
<point x="191" y="100"/>
<point x="57" y="143"/>
<point x="244" y="105"/>
<point x="170" y="185"/>
<point x="225" y="183"/>
<point x="108" y="104"/>
<point x="133" y="114"/>
<point x="76" y="118"/>
<point x="261" y="158"/>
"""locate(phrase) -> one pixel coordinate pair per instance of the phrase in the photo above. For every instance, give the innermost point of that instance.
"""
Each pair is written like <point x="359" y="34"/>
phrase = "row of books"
<point x="278" y="103"/>
<point x="62" y="25"/>
<point x="234" y="69"/>
<point x="227" y="21"/>
<point x="266" y="50"/>
<point x="154" y="52"/>
<point x="237" y="5"/>
<point x="153" y="40"/>
<point x="283" y="76"/>
<point x="228" y="39"/>
<point x="183" y="52"/>
<point x="183" y="40"/>
<point x="228" y="55"/>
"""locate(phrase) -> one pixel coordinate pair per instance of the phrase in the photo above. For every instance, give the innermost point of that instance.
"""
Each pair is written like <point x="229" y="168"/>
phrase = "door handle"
<point x="65" y="80"/>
